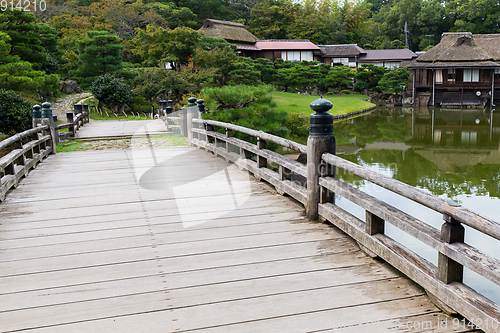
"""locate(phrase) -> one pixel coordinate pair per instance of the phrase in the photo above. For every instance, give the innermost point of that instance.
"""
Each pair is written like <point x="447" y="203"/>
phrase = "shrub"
<point x="15" y="113"/>
<point x="298" y="125"/>
<point x="346" y="91"/>
<point x="246" y="106"/>
<point x="111" y="92"/>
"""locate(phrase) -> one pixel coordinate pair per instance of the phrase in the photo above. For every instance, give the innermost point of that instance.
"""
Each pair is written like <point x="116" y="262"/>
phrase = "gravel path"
<point x="65" y="104"/>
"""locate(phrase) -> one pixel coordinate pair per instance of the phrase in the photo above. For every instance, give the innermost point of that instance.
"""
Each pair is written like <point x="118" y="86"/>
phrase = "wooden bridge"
<point x="178" y="240"/>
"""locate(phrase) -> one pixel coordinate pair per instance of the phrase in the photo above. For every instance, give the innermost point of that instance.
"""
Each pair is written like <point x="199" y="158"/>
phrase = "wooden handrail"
<point x="440" y="282"/>
<point x="463" y="215"/>
<point x="24" y="156"/>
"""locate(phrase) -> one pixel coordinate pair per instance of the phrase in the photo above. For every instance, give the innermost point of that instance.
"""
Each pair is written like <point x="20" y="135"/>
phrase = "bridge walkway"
<point x="177" y="240"/>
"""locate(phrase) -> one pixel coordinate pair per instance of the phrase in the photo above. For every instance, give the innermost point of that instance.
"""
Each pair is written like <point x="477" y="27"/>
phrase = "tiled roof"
<point x="286" y="44"/>
<point x="343" y="50"/>
<point x="387" y="55"/>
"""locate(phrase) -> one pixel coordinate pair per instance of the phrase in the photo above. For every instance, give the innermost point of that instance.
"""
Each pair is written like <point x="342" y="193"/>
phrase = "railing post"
<point x="86" y="114"/>
<point x="448" y="269"/>
<point x="192" y="112"/>
<point x="48" y="120"/>
<point x="321" y="140"/>
<point x="183" y="121"/>
<point x="374" y="224"/>
<point x="70" y="120"/>
<point x="37" y="115"/>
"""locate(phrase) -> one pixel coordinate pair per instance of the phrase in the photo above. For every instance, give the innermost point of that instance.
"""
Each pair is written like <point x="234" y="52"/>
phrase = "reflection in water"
<point x="450" y="153"/>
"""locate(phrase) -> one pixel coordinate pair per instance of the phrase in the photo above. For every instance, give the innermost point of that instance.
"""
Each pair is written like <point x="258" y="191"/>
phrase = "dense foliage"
<point x="112" y="92"/>
<point x="246" y="106"/>
<point x="15" y="113"/>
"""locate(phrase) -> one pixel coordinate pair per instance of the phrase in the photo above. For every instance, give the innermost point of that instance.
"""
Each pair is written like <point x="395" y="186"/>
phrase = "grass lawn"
<point x="297" y="103"/>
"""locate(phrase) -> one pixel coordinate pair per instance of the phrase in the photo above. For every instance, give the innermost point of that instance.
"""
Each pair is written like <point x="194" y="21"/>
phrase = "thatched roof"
<point x="464" y="48"/>
<point x="341" y="51"/>
<point x="230" y="31"/>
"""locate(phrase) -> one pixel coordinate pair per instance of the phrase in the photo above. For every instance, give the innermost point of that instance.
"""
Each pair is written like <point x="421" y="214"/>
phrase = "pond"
<point x="452" y="153"/>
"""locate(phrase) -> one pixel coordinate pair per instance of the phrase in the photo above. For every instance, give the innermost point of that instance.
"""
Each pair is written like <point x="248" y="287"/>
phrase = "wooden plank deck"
<point x="120" y="128"/>
<point x="176" y="240"/>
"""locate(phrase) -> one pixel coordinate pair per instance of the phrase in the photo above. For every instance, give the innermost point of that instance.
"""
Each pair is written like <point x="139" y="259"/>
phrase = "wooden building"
<point x="286" y="49"/>
<point x="234" y="33"/>
<point x="351" y="55"/>
<point x="462" y="70"/>
<point x="335" y="55"/>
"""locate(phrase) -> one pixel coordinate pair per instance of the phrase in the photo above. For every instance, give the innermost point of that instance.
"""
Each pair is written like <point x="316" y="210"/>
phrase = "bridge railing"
<point x="27" y="150"/>
<point x="315" y="186"/>
<point x="74" y="121"/>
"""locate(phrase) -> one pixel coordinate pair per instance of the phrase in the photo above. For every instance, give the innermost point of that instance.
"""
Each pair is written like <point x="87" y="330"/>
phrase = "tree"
<point x="339" y="77"/>
<point x="112" y="92"/>
<point x="99" y="54"/>
<point x="270" y="19"/>
<point x="244" y="73"/>
<point x="15" y="113"/>
<point x="155" y="45"/>
<point x="17" y="75"/>
<point x="217" y="56"/>
<point x="368" y="76"/>
<point x="181" y="45"/>
<point x="395" y="81"/>
<point x="246" y="106"/>
<point x="30" y="41"/>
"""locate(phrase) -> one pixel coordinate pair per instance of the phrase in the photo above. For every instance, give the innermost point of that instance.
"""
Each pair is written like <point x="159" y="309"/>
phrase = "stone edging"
<point x="353" y="113"/>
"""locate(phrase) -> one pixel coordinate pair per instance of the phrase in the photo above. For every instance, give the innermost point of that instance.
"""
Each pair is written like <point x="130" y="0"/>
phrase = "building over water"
<point x="462" y="70"/>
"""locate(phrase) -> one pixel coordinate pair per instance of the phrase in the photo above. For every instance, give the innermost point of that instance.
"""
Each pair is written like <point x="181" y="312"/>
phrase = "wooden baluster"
<point x="448" y="269"/>
<point x="374" y="224"/>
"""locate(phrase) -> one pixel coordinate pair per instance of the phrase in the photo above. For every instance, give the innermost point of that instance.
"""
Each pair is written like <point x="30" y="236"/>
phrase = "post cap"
<point x="192" y="101"/>
<point x="46" y="105"/>
<point x="321" y="122"/>
<point x="321" y="105"/>
<point x="200" y="101"/>
<point x="36" y="107"/>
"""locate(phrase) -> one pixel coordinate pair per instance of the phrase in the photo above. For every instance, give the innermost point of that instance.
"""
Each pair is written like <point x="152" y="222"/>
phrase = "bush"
<point x="111" y="92"/>
<point x="247" y="106"/>
<point x="139" y="104"/>
<point x="346" y="91"/>
<point x="15" y="113"/>
<point x="298" y="125"/>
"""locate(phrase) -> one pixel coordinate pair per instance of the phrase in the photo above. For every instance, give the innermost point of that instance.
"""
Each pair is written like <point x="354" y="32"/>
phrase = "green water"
<point x="451" y="153"/>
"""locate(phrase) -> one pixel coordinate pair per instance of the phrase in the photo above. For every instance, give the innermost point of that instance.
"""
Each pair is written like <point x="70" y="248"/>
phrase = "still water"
<point x="451" y="153"/>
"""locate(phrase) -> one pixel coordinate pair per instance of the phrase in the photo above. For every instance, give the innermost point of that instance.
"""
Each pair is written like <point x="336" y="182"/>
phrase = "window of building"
<point x="439" y="76"/>
<point x="392" y="64"/>
<point x="451" y="74"/>
<point x="471" y="75"/>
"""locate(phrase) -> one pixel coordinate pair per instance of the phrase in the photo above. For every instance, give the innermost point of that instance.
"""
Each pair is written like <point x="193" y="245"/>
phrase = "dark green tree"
<point x="112" y="92"/>
<point x="368" y="76"/>
<point x="394" y="81"/>
<point x="15" y="113"/>
<point x="244" y="73"/>
<point x="99" y="54"/>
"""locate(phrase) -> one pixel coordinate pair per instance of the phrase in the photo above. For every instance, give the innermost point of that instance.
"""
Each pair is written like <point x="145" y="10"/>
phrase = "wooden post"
<point x="183" y="121"/>
<point x="229" y="134"/>
<point x="192" y="112"/>
<point x="448" y="269"/>
<point x="47" y="119"/>
<point x="374" y="224"/>
<point x="37" y="115"/>
<point x="261" y="161"/>
<point x="70" y="120"/>
<point x="320" y="141"/>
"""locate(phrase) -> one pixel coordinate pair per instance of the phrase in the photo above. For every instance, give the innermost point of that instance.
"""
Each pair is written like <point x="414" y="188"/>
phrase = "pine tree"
<point x="100" y="53"/>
